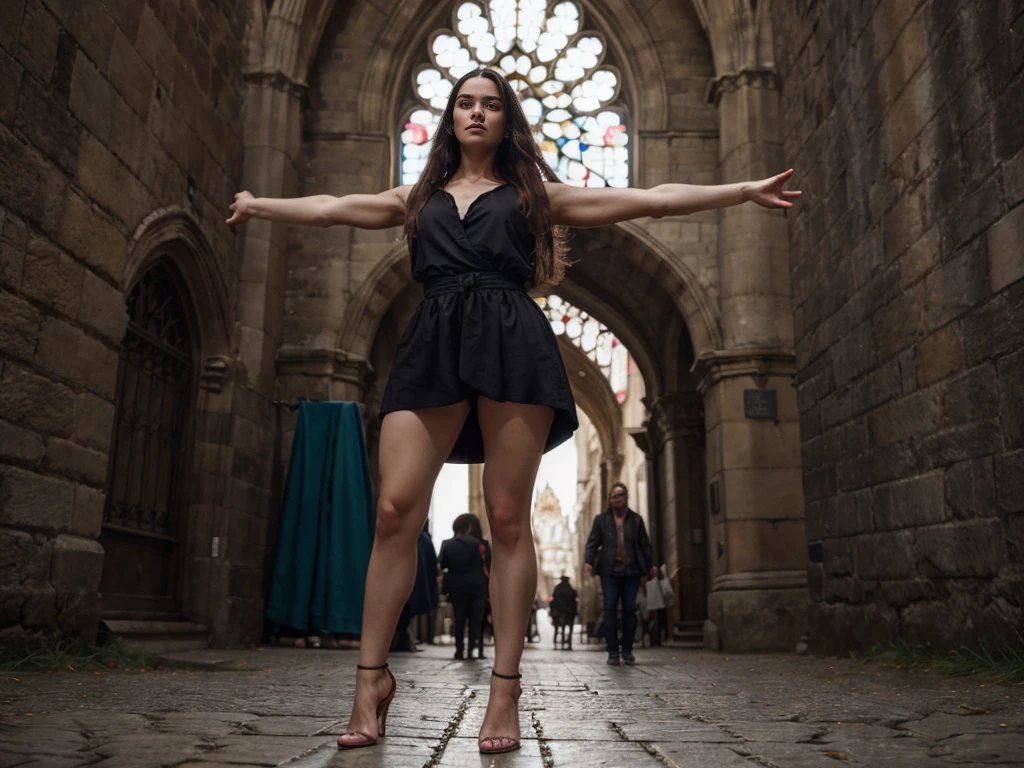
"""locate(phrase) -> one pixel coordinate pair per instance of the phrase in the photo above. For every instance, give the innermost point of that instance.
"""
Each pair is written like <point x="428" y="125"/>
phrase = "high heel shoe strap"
<point x="382" y="666"/>
<point x="507" y="677"/>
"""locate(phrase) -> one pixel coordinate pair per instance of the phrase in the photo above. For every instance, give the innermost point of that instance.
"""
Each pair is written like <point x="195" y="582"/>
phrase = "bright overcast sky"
<point x="451" y="493"/>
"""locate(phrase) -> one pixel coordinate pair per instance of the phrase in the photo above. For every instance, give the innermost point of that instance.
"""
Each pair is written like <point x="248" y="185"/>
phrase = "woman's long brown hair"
<point x="518" y="161"/>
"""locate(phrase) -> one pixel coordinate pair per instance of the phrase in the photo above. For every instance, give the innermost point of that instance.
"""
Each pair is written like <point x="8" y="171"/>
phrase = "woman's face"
<point x="479" y="114"/>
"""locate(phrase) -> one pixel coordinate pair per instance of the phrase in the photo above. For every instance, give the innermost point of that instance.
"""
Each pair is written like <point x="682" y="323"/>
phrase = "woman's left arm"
<point x="583" y="207"/>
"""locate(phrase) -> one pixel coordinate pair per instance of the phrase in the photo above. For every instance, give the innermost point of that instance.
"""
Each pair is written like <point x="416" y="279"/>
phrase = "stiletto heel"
<point x="505" y="743"/>
<point x="382" y="716"/>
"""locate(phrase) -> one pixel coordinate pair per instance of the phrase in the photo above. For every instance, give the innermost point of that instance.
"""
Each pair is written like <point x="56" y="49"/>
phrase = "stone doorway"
<point x="147" y="485"/>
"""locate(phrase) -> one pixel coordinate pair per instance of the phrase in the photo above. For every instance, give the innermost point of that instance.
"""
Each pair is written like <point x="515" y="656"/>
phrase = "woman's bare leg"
<point x="514" y="437"/>
<point x="413" y="447"/>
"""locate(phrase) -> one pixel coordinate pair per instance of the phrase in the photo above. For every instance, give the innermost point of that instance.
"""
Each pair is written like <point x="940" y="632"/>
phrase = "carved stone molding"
<point x="759" y="363"/>
<point x="762" y="580"/>
<point x="214" y="373"/>
<point x="335" y="364"/>
<point x="642" y="439"/>
<point x="676" y="416"/>
<point x="279" y="82"/>
<point x="177" y="234"/>
<point x="764" y="79"/>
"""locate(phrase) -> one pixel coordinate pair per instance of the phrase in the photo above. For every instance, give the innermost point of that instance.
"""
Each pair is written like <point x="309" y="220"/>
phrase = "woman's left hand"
<point x="769" y="192"/>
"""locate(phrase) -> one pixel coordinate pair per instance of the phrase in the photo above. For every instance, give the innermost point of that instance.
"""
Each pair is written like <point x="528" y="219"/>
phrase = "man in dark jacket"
<point x="619" y="551"/>
<point x="467" y="561"/>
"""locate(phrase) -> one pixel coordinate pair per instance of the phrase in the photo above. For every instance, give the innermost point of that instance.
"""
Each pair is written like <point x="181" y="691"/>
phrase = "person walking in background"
<point x="643" y="614"/>
<point x="532" y="635"/>
<point x="466" y="560"/>
<point x="619" y="551"/>
<point x="563" y="611"/>
<point x="668" y="596"/>
<point x="655" y="603"/>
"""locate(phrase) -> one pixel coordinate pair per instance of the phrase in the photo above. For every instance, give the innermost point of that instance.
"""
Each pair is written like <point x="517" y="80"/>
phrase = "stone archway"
<point x="175" y="234"/>
<point x="721" y="279"/>
<point x="594" y="396"/>
<point x="648" y="265"/>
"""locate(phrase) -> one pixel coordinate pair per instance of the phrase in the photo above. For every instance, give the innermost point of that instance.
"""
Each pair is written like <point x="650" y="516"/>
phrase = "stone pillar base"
<point x="756" y="620"/>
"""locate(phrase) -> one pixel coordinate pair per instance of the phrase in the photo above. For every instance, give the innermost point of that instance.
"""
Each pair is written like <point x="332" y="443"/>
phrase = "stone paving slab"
<point x="688" y="709"/>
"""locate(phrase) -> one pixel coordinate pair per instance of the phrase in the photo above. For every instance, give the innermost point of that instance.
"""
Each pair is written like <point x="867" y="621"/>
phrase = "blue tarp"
<point x="327" y="524"/>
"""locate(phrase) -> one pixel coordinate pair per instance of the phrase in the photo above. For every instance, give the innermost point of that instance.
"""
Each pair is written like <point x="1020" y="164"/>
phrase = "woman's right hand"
<point x="239" y="213"/>
<point x="588" y="569"/>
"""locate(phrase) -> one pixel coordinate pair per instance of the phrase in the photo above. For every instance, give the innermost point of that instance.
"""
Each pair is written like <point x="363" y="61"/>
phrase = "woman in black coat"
<point x="466" y="560"/>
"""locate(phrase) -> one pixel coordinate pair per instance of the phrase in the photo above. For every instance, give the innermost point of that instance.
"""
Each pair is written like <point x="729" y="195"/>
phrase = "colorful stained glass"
<point x="592" y="337"/>
<point x="567" y="92"/>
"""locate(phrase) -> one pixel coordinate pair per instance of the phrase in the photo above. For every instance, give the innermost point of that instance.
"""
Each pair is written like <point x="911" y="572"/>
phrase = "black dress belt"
<point x="470" y="281"/>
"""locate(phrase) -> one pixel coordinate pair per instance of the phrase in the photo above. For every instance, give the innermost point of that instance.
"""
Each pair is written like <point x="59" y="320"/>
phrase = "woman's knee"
<point x="395" y="517"/>
<point x="510" y="519"/>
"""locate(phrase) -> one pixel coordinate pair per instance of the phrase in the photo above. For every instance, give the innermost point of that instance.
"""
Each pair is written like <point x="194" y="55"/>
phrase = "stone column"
<point x="676" y="435"/>
<point x="272" y="135"/>
<point x="757" y="545"/>
<point x="758" y="597"/>
<point x="642" y="439"/>
<point x="753" y="242"/>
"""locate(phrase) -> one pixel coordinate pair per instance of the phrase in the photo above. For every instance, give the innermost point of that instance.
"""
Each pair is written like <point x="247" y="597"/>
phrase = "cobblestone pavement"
<point x="676" y="708"/>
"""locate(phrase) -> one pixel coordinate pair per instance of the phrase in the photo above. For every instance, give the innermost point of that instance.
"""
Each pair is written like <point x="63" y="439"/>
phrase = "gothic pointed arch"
<point x="174" y="234"/>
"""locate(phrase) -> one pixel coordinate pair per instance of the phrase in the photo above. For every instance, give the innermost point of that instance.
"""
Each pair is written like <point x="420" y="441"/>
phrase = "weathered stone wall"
<point x="905" y="121"/>
<point x="109" y="111"/>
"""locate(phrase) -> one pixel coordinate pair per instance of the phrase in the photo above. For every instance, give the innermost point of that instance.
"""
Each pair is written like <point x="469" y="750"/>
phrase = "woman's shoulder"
<point x="403" y="192"/>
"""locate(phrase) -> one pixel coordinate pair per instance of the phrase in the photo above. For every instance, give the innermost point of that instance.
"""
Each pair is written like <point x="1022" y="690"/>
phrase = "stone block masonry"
<point x="906" y="266"/>
<point x="109" y="111"/>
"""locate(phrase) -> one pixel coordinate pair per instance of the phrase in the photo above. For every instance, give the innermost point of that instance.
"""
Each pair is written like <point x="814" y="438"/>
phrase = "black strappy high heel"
<point x="504" y="743"/>
<point x="382" y="716"/>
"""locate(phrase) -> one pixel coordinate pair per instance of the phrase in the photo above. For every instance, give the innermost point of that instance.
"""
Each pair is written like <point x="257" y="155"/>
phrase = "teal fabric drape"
<point x="327" y="524"/>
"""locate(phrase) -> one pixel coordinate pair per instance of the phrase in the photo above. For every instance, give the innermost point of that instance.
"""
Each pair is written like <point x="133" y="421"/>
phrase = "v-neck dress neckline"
<point x="455" y="203"/>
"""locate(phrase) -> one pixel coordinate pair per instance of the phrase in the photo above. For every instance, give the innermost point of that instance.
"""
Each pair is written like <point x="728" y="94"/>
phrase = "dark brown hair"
<point x="518" y="161"/>
<point x="467" y="521"/>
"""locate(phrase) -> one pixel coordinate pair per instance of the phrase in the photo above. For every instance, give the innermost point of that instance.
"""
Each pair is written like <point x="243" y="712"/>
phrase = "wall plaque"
<point x="761" y="404"/>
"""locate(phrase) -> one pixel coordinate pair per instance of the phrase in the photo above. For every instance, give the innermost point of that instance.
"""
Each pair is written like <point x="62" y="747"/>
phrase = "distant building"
<point x="554" y="542"/>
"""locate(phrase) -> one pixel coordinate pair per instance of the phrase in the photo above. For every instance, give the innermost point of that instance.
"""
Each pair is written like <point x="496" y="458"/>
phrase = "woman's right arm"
<point x="380" y="211"/>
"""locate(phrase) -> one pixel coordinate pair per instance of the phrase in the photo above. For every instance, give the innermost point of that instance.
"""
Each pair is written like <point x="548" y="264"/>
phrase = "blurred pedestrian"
<point x="466" y="561"/>
<point x="619" y="551"/>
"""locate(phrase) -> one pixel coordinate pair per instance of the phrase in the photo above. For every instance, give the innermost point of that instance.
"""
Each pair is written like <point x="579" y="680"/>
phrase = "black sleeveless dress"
<point x="477" y="331"/>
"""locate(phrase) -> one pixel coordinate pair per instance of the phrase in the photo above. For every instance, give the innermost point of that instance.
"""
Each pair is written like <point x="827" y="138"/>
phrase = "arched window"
<point x="148" y="475"/>
<point x="557" y="69"/>
<point x="594" y="338"/>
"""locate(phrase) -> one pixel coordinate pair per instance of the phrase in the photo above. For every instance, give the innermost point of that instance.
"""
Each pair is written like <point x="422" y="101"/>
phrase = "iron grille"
<point x="154" y="391"/>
